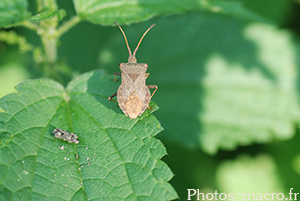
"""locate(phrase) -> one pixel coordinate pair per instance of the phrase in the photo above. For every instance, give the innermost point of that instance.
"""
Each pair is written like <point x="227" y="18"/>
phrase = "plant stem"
<point x="39" y="5"/>
<point x="47" y="31"/>
<point x="46" y="3"/>
<point x="29" y="25"/>
<point x="66" y="26"/>
<point x="50" y="48"/>
<point x="50" y="34"/>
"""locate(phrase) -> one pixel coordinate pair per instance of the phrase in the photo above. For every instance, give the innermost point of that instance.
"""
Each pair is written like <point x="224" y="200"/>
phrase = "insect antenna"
<point x="125" y="39"/>
<point x="137" y="47"/>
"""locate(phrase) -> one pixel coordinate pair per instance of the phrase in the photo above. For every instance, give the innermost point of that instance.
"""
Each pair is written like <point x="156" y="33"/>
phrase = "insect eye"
<point x="119" y="64"/>
<point x="146" y="65"/>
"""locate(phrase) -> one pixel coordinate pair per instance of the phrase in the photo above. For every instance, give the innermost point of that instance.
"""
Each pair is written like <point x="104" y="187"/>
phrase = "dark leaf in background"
<point x="279" y="11"/>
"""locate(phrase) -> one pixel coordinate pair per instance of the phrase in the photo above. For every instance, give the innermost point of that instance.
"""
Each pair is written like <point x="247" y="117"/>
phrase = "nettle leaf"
<point x="47" y="13"/>
<point x="116" y="158"/>
<point x="221" y="83"/>
<point x="12" y="12"/>
<point x="128" y="11"/>
<point x="44" y="14"/>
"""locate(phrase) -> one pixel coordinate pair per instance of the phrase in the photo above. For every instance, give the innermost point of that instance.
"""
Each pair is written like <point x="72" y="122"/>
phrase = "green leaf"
<point x="44" y="14"/>
<point x="12" y="12"/>
<point x="221" y="83"/>
<point x="118" y="158"/>
<point x="47" y="13"/>
<point x="128" y="11"/>
<point x="61" y="14"/>
<point x="262" y="168"/>
<point x="278" y="11"/>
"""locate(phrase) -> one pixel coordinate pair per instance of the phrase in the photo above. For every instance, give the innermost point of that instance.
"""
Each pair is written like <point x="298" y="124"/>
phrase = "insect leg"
<point x="110" y="98"/>
<point x="152" y="87"/>
<point x="116" y="76"/>
<point x="147" y="75"/>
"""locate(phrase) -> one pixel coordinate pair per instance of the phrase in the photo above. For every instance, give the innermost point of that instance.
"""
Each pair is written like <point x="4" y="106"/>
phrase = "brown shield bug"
<point x="133" y="94"/>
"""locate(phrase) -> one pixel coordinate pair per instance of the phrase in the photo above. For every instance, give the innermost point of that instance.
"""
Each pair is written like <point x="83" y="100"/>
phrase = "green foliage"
<point x="12" y="38"/>
<point x="12" y="72"/>
<point x="278" y="11"/>
<point x="12" y="12"/>
<point x="118" y="158"/>
<point x="224" y="82"/>
<point x="105" y="12"/>
<point x="44" y="14"/>
<point x="262" y="168"/>
<point x="47" y="13"/>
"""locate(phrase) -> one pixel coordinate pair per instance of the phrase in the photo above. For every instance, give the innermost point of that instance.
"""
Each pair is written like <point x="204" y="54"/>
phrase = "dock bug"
<point x="133" y="95"/>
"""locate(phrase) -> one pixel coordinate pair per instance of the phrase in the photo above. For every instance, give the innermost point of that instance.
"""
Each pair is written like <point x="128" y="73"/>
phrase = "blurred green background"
<point x="228" y="89"/>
